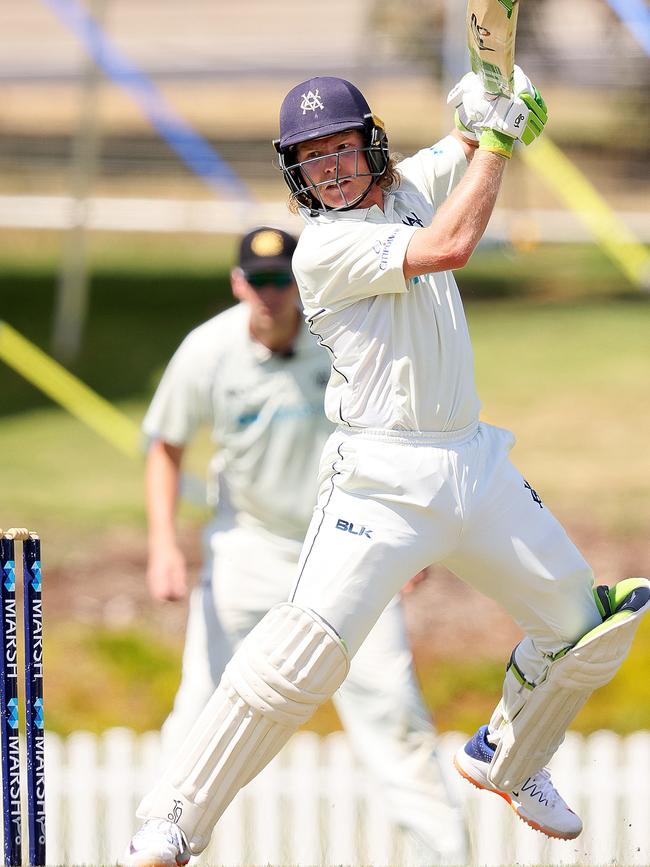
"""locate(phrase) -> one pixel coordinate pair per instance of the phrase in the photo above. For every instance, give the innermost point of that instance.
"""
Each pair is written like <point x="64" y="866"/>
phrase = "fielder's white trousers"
<point x="380" y="704"/>
<point x="391" y="503"/>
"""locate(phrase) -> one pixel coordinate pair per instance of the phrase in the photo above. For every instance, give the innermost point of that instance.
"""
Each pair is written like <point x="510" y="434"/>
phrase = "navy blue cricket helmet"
<point x="321" y="107"/>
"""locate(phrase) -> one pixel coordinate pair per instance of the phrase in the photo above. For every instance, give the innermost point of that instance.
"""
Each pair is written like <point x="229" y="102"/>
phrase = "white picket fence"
<point x="314" y="806"/>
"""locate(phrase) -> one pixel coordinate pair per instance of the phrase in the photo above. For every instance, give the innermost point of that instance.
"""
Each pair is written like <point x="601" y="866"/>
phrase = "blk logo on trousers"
<point x="349" y="527"/>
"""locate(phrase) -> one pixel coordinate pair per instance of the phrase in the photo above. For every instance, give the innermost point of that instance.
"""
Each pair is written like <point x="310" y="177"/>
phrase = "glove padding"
<point x="521" y="117"/>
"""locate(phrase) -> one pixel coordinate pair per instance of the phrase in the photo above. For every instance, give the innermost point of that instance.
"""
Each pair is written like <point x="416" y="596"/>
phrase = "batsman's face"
<point x="335" y="167"/>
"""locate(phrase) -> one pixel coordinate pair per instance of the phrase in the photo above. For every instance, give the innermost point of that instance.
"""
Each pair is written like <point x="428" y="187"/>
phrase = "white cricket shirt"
<point x="400" y="350"/>
<point x="266" y="415"/>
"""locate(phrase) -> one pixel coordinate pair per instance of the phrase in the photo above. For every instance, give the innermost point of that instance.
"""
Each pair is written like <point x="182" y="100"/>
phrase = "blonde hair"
<point x="391" y="178"/>
<point x="388" y="181"/>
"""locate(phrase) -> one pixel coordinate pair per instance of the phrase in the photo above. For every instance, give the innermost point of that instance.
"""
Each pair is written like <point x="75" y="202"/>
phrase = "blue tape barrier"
<point x="194" y="150"/>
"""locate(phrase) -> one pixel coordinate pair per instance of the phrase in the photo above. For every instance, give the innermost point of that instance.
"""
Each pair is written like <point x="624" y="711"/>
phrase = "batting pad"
<point x="288" y="665"/>
<point x="529" y="741"/>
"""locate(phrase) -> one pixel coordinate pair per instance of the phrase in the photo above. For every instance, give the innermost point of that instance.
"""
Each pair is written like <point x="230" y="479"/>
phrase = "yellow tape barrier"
<point x="64" y="388"/>
<point x="620" y="244"/>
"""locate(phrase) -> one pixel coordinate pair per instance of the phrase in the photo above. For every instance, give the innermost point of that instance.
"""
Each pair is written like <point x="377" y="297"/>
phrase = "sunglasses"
<point x="277" y="279"/>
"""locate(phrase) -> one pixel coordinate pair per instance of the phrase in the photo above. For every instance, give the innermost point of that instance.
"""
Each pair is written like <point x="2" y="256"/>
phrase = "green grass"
<point x="561" y="272"/>
<point x="63" y="472"/>
<point x="562" y="357"/>
<point x="130" y="674"/>
<point x="569" y="380"/>
<point x="99" y="678"/>
<point x="462" y="694"/>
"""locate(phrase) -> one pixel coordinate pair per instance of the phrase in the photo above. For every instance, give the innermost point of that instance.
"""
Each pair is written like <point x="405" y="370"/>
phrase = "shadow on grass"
<point x="135" y="322"/>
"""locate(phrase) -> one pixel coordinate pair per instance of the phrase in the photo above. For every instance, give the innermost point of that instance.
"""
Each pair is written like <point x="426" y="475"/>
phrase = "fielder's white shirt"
<point x="400" y="350"/>
<point x="266" y="415"/>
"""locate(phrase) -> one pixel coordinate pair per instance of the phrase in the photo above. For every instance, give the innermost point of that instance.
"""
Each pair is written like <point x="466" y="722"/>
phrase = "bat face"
<point x="491" y="30"/>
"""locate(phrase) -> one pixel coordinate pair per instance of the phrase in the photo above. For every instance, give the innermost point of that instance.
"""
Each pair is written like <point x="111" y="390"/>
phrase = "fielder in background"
<point x="411" y="464"/>
<point x="256" y="376"/>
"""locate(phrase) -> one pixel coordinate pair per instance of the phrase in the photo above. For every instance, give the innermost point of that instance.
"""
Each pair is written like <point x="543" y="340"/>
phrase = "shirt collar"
<point x="373" y="214"/>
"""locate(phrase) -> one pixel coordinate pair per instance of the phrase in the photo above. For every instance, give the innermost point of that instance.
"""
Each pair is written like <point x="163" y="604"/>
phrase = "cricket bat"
<point x="491" y="31"/>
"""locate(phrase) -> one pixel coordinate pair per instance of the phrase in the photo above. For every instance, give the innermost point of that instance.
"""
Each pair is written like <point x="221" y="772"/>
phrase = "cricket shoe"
<point x="537" y="802"/>
<point x="158" y="843"/>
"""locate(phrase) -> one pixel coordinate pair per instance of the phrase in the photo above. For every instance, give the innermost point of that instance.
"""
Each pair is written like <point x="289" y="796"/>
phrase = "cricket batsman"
<point x="256" y="377"/>
<point x="409" y="477"/>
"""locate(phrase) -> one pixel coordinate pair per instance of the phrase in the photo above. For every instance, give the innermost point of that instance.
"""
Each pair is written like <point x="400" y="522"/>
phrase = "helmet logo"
<point x="311" y="101"/>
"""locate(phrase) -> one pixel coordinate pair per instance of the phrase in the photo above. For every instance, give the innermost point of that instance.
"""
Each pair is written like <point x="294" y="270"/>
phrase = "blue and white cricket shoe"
<point x="537" y="802"/>
<point x="158" y="843"/>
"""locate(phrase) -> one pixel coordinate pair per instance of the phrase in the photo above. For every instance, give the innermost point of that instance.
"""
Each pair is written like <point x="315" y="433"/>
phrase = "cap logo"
<point x="267" y="243"/>
<point x="311" y="101"/>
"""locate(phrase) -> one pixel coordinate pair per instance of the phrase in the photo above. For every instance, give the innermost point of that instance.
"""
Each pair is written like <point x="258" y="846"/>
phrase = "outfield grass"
<point x="563" y="359"/>
<point x="98" y="678"/>
<point x="570" y="379"/>
<point x="462" y="695"/>
<point x="572" y="382"/>
<point x="130" y="675"/>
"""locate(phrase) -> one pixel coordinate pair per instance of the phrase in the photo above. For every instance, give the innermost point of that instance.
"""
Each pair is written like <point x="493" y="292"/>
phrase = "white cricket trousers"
<point x="392" y="502"/>
<point x="380" y="704"/>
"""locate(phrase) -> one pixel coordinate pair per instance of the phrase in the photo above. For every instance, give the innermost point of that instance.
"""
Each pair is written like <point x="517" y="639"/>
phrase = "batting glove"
<point x="469" y="82"/>
<point x="497" y="121"/>
<point x="538" y="112"/>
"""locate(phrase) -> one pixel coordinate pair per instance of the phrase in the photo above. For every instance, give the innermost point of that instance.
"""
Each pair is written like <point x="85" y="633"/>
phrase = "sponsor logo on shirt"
<point x="282" y="413"/>
<point x="382" y="249"/>
<point x="413" y="220"/>
<point x="349" y="527"/>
